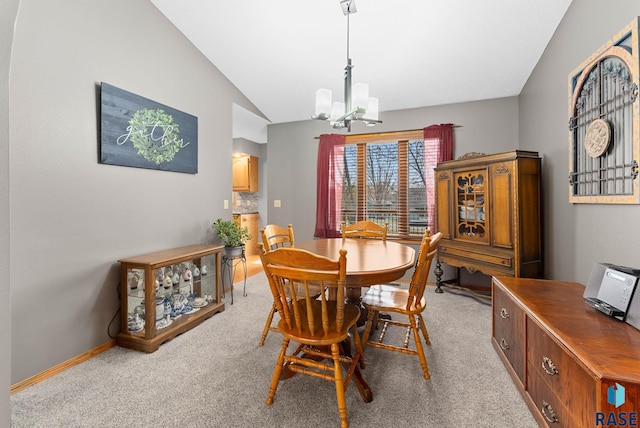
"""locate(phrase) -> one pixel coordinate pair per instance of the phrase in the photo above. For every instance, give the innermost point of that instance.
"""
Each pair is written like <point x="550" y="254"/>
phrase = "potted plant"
<point x="232" y="235"/>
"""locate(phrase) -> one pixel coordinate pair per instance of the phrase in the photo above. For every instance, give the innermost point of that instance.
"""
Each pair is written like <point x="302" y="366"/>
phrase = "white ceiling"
<point x="413" y="53"/>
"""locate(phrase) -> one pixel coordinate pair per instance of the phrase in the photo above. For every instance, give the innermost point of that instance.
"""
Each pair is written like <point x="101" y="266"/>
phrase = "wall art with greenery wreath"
<point x="142" y="133"/>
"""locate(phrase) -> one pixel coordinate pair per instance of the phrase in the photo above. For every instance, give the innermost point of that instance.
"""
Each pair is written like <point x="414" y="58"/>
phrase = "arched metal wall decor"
<point x="604" y="131"/>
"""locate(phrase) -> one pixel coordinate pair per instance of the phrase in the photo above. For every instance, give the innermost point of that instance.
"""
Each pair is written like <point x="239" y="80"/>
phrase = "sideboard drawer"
<point x="509" y="330"/>
<point x="550" y="408"/>
<point x="550" y="363"/>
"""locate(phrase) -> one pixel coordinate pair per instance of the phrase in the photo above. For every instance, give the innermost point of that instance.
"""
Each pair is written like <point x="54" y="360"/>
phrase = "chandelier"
<point x="357" y="104"/>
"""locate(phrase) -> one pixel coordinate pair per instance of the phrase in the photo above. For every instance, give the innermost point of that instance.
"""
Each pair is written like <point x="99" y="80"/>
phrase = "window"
<point x="380" y="177"/>
<point x="385" y="180"/>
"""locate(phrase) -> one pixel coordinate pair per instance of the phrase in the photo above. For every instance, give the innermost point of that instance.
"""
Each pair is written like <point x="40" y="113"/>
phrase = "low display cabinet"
<point x="166" y="293"/>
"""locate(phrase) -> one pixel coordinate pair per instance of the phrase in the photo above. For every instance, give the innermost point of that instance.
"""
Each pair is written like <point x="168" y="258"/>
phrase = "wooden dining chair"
<point x="411" y="303"/>
<point x="365" y="229"/>
<point x="318" y="325"/>
<point x="274" y="236"/>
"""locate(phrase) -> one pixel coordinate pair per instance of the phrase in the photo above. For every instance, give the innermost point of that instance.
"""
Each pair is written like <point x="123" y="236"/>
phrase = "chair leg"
<point x="367" y="328"/>
<point x="423" y="327"/>
<point x="419" y="348"/>
<point x="267" y="325"/>
<point x="340" y="395"/>
<point x="358" y="344"/>
<point x="277" y="372"/>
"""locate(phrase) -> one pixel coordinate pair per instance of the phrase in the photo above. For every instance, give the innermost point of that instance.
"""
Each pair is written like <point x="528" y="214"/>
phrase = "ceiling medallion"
<point x="597" y="138"/>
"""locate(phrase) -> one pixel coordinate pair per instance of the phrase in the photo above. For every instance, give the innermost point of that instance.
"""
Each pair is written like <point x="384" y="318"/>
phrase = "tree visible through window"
<point x="385" y="181"/>
<point x="384" y="177"/>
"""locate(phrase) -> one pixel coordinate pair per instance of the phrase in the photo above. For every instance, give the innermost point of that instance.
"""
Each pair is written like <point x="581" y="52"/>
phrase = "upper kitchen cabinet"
<point x="245" y="173"/>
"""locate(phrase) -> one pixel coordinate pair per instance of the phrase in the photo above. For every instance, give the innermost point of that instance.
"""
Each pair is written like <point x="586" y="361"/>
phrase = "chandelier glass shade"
<point x="357" y="105"/>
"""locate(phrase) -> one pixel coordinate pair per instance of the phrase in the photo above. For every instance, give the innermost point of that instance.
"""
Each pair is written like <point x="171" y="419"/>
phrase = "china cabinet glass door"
<point x="471" y="210"/>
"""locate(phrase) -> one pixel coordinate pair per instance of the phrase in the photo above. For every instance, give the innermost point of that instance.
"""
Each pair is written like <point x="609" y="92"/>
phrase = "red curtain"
<point x="329" y="185"/>
<point x="438" y="147"/>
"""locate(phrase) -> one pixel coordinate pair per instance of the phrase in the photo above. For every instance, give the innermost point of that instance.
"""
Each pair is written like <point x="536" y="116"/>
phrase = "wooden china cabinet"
<point x="489" y="212"/>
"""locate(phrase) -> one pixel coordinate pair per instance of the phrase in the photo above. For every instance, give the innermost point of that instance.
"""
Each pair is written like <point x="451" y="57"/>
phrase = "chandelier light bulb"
<point x="372" y="109"/>
<point x="323" y="103"/>
<point x="337" y="110"/>
<point x="360" y="95"/>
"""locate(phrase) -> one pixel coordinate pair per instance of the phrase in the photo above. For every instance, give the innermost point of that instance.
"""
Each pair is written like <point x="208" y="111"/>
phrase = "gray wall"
<point x="73" y="218"/>
<point x="8" y="12"/>
<point x="489" y="126"/>
<point x="576" y="236"/>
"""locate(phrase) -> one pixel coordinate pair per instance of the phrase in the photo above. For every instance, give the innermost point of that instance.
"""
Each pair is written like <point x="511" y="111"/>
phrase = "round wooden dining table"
<point x="369" y="262"/>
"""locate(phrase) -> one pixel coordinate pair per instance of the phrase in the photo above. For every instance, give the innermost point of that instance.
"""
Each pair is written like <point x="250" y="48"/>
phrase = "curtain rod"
<point x="385" y="133"/>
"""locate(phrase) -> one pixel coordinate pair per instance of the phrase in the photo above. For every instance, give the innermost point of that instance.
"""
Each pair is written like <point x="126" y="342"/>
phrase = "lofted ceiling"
<point x="413" y="53"/>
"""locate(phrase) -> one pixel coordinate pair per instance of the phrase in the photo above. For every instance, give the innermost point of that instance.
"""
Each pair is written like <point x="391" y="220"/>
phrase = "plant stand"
<point x="229" y="265"/>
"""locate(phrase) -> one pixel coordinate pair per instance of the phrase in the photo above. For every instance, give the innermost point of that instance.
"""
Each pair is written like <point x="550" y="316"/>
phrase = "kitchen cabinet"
<point x="166" y="293"/>
<point x="563" y="355"/>
<point x="488" y="208"/>
<point x="245" y="174"/>
<point x="250" y="221"/>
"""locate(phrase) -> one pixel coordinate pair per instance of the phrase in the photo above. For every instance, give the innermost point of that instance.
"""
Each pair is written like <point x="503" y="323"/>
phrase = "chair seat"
<point x="314" y="289"/>
<point x="388" y="298"/>
<point x="301" y="332"/>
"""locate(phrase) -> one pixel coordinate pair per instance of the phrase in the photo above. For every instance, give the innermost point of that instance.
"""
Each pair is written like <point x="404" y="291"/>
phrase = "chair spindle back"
<point x="294" y="275"/>
<point x="426" y="253"/>
<point x="274" y="236"/>
<point x="365" y="229"/>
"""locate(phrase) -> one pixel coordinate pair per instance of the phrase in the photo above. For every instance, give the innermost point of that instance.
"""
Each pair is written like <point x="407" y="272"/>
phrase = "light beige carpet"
<point x="216" y="376"/>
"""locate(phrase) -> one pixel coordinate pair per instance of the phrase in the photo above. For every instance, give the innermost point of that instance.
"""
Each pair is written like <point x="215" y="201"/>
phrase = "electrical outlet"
<point x="277" y="203"/>
<point x="226" y="204"/>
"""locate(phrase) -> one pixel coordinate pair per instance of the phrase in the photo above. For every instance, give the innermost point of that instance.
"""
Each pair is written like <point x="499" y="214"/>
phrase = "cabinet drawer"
<point x="509" y="329"/>
<point x="547" y="404"/>
<point x="562" y="375"/>
<point x="480" y="256"/>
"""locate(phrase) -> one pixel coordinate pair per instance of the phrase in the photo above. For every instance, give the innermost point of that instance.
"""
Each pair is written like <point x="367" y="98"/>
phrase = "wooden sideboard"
<point x="489" y="212"/>
<point x="563" y="355"/>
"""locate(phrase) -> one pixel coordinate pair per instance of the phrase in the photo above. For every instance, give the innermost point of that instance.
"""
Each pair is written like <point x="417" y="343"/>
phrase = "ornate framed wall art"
<point x="604" y="131"/>
<point x="138" y="132"/>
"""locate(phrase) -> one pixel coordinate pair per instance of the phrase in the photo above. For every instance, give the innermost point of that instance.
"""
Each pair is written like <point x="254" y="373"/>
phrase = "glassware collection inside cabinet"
<point x="167" y="293"/>
<point x="471" y="211"/>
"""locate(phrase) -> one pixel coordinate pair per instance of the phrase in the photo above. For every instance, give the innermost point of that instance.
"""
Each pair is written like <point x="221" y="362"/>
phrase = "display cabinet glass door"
<point x="178" y="289"/>
<point x="470" y="214"/>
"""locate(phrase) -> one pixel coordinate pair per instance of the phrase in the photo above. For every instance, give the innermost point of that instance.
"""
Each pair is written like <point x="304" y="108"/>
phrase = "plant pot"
<point x="234" y="251"/>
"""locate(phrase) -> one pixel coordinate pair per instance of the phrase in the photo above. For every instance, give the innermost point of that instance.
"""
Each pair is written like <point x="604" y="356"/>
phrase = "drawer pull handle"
<point x="504" y="314"/>
<point x="549" y="367"/>
<point x="551" y="417"/>
<point x="504" y="345"/>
